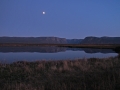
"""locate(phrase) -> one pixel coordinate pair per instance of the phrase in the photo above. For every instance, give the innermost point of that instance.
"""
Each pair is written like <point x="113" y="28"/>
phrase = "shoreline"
<point x="102" y="46"/>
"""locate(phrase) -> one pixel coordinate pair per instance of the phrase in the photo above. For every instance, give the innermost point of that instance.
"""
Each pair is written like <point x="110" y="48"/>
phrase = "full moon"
<point x="43" y="12"/>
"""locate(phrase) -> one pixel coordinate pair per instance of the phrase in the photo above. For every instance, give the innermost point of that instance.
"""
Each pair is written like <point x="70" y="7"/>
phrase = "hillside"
<point x="74" y="41"/>
<point x="57" y="40"/>
<point x="101" y="40"/>
<point x="37" y="40"/>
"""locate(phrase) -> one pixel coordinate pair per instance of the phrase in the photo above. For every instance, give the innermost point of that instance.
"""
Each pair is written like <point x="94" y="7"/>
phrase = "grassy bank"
<point x="87" y="74"/>
<point x="101" y="46"/>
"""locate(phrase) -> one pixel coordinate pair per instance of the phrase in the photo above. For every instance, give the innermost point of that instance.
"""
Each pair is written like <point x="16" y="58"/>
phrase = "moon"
<point x="43" y="12"/>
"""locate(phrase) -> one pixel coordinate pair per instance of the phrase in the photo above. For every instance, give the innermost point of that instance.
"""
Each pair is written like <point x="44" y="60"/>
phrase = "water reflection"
<point x="53" y="49"/>
<point x="11" y="54"/>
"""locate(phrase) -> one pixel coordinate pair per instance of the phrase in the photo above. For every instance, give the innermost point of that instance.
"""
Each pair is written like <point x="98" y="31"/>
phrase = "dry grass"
<point x="87" y="74"/>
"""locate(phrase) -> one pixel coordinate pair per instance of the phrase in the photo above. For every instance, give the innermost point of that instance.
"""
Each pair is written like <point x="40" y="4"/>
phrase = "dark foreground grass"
<point x="87" y="74"/>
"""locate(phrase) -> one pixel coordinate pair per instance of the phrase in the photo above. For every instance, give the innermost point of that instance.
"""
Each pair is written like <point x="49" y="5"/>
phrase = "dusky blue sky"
<point x="63" y="18"/>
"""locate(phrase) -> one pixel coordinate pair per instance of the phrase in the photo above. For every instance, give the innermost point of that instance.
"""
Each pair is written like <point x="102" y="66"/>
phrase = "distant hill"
<point x="57" y="40"/>
<point x="37" y="40"/>
<point x="101" y="40"/>
<point x="74" y="41"/>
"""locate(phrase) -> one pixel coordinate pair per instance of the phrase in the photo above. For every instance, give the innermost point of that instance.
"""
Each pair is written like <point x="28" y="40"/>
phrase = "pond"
<point x="12" y="54"/>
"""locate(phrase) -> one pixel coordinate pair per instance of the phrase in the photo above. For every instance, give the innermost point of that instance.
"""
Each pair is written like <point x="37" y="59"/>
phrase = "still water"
<point x="12" y="54"/>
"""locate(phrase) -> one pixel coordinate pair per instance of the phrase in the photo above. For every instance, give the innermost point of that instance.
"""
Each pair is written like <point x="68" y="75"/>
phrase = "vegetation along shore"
<point x="80" y="74"/>
<point x="106" y="46"/>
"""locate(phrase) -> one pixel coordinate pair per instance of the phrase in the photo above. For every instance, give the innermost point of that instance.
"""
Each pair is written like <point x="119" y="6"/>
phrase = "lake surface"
<point x="12" y="54"/>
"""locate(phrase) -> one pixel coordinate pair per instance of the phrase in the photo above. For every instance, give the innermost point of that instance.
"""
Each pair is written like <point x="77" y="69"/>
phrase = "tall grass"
<point x="86" y="74"/>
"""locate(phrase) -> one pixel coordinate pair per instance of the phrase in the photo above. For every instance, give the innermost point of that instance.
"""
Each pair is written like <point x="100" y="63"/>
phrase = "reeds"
<point x="79" y="74"/>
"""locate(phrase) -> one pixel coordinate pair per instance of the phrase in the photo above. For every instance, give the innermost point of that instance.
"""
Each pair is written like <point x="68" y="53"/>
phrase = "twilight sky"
<point x="63" y="18"/>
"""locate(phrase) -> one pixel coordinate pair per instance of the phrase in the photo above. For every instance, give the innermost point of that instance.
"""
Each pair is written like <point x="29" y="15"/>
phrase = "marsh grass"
<point x="86" y="74"/>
